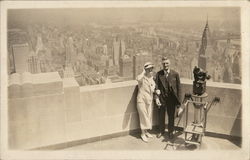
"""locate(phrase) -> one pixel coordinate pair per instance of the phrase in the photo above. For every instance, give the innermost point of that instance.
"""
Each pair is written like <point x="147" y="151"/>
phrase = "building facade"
<point x="33" y="64"/>
<point x="138" y="62"/>
<point x="20" y="57"/>
<point x="126" y="66"/>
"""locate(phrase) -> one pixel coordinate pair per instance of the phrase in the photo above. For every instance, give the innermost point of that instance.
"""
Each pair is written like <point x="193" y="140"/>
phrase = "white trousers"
<point x="145" y="115"/>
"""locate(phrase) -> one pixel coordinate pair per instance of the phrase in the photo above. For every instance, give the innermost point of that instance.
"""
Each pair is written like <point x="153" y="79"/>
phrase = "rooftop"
<point x="61" y="115"/>
<point x="134" y="142"/>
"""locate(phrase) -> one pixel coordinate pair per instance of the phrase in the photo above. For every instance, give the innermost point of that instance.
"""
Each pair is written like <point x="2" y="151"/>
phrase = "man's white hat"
<point x="148" y="65"/>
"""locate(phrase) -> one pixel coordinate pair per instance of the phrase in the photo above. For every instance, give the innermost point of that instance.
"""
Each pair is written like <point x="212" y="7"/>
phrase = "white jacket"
<point x="146" y="88"/>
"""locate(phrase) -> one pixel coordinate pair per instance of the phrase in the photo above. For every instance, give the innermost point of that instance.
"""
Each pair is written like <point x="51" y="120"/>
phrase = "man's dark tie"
<point x="167" y="75"/>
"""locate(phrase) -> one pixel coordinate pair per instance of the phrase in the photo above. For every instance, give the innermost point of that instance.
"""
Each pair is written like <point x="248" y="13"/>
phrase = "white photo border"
<point x="242" y="153"/>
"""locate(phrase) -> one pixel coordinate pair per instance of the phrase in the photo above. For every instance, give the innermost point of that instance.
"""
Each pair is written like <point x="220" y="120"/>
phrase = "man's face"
<point x="166" y="64"/>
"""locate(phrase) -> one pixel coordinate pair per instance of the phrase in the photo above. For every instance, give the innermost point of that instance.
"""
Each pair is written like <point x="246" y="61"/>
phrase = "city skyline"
<point x="98" y="52"/>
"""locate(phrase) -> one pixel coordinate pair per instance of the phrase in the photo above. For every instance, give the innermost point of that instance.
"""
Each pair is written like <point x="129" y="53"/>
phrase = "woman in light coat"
<point x="146" y="87"/>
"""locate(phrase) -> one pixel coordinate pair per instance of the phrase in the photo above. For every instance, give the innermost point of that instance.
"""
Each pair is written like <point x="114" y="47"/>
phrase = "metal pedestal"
<point x="195" y="130"/>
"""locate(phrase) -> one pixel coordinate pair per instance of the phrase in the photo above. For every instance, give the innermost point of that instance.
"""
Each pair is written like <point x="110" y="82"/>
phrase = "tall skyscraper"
<point x="205" y="42"/>
<point x="105" y="49"/>
<point x="110" y="62"/>
<point x="116" y="47"/>
<point x="68" y="72"/>
<point x="39" y="44"/>
<point x="122" y="48"/>
<point x="20" y="56"/>
<point x="70" y="51"/>
<point x="104" y="60"/>
<point x="43" y="65"/>
<point x="126" y="66"/>
<point x="138" y="62"/>
<point x="11" y="63"/>
<point x="33" y="64"/>
<point x="118" y="50"/>
<point x="208" y="53"/>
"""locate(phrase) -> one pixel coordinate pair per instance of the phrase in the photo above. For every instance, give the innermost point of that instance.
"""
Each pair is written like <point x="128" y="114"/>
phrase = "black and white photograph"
<point x="150" y="78"/>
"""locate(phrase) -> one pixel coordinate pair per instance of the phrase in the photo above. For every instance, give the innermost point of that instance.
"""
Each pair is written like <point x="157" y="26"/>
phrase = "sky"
<point x="229" y="15"/>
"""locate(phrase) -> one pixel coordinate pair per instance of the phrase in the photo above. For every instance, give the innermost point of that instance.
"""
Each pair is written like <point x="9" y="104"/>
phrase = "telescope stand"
<point x="195" y="130"/>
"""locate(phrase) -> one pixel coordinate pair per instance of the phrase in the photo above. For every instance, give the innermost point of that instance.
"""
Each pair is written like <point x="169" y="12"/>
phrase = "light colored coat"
<point x="146" y="87"/>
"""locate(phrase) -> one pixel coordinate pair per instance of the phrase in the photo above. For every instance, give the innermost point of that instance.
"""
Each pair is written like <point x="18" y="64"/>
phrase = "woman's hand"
<point x="158" y="92"/>
<point x="143" y="71"/>
<point x="158" y="103"/>
<point x="140" y="76"/>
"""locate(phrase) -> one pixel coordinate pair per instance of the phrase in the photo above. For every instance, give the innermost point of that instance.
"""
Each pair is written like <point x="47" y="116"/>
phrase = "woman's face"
<point x="149" y="71"/>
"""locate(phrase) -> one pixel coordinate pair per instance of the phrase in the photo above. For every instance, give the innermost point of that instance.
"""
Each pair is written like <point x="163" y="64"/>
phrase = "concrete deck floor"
<point x="134" y="142"/>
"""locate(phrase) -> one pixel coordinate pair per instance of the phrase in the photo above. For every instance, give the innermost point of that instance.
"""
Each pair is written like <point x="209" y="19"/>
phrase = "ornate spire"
<point x="203" y="47"/>
<point x="205" y="37"/>
<point x="207" y="20"/>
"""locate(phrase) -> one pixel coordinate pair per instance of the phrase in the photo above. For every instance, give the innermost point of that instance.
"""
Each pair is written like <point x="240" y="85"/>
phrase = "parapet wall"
<point x="28" y="85"/>
<point x="64" y="112"/>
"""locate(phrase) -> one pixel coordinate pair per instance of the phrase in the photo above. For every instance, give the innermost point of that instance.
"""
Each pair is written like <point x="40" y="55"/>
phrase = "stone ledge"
<point x="28" y="85"/>
<point x="134" y="83"/>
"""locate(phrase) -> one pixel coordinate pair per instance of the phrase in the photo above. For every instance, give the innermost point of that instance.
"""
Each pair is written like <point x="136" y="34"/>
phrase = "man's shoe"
<point x="149" y="135"/>
<point x="159" y="135"/>
<point x="144" y="138"/>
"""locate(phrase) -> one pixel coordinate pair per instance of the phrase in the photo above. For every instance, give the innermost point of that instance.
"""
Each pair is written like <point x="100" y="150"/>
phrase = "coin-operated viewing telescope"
<point x="195" y="130"/>
<point x="199" y="83"/>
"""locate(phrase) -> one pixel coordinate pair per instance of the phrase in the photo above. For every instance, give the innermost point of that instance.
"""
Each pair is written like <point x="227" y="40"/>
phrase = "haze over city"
<point x="102" y="45"/>
<point x="226" y="18"/>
